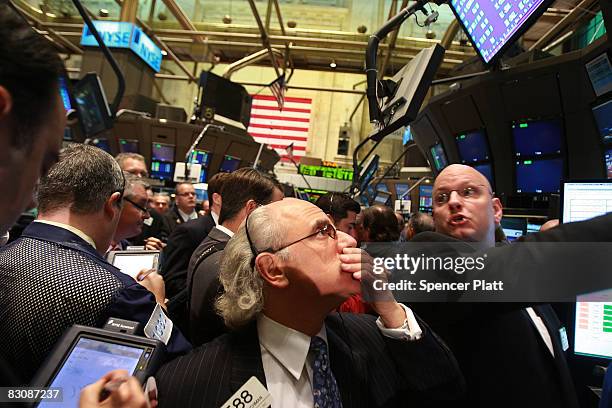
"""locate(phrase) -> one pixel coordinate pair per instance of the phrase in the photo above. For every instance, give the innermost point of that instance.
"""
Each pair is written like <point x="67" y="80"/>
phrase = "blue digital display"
<point x="438" y="156"/>
<point x="407" y="136"/>
<point x="539" y="176"/>
<point x="400" y="189"/>
<point x="102" y="143"/>
<point x="162" y="152"/>
<point x="65" y="94"/>
<point x="129" y="146"/>
<point x="491" y="24"/>
<point x="473" y="146"/>
<point x="534" y="138"/>
<point x="382" y="187"/>
<point x="608" y="157"/>
<point x="229" y="164"/>
<point x="201" y="194"/>
<point x="200" y="157"/>
<point x="125" y="35"/>
<point x="425" y="198"/>
<point x="161" y="170"/>
<point x="603" y="118"/>
<point x="486" y="170"/>
<point x="203" y="175"/>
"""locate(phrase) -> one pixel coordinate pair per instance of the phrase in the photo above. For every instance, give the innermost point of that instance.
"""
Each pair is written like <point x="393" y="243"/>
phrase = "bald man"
<point x="511" y="356"/>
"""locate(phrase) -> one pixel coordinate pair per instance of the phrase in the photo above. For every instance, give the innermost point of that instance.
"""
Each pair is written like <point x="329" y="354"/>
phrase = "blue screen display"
<point x="603" y="117"/>
<point x="539" y="176"/>
<point x="608" y="157"/>
<point x="439" y="158"/>
<point x="425" y="198"/>
<point x="203" y="175"/>
<point x="486" y="170"/>
<point x="162" y="152"/>
<point x="382" y="187"/>
<point x="201" y="194"/>
<point x="129" y="146"/>
<point x="102" y="144"/>
<point x="400" y="190"/>
<point x="407" y="136"/>
<point x="473" y="146"/>
<point x="200" y="157"/>
<point x="535" y="138"/>
<point x="162" y="170"/>
<point x="64" y="93"/>
<point x="369" y="173"/>
<point x="230" y="164"/>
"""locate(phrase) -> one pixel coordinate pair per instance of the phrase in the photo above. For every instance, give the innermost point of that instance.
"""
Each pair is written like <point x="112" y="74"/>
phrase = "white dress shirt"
<point x="287" y="362"/>
<point x="215" y="217"/>
<point x="186" y="217"/>
<point x="225" y="230"/>
<point x="541" y="327"/>
<point x="70" y="228"/>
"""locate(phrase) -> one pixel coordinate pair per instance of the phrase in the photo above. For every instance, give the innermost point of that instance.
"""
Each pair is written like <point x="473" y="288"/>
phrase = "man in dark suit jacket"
<point x="243" y="191"/>
<point x="282" y="275"/>
<point x="510" y="354"/>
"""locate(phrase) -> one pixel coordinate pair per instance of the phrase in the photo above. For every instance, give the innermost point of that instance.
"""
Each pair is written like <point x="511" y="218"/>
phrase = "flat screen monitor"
<point x="486" y="170"/>
<point x="539" y="176"/>
<point x="382" y="198"/>
<point x="531" y="228"/>
<point x="102" y="143"/>
<point x="92" y="106"/>
<point x="400" y="189"/>
<point x="537" y="137"/>
<point x="600" y="74"/>
<point x="593" y="327"/>
<point x="129" y="146"/>
<point x="162" y="152"/>
<point x="162" y="170"/>
<point x="368" y="172"/>
<point x="200" y="157"/>
<point x="229" y="164"/>
<point x="425" y="198"/>
<point x="582" y="200"/>
<point x="407" y="136"/>
<point x="203" y="175"/>
<point x="65" y="93"/>
<point x="608" y="159"/>
<point x="493" y="25"/>
<point x="514" y="227"/>
<point x="603" y="118"/>
<point x="438" y="156"/>
<point x="473" y="146"/>
<point x="382" y="187"/>
<point x="201" y="194"/>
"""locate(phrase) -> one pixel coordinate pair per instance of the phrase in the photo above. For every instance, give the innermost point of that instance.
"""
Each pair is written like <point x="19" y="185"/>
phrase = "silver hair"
<point x="243" y="285"/>
<point x="83" y="179"/>
<point x="132" y="181"/>
<point x="122" y="157"/>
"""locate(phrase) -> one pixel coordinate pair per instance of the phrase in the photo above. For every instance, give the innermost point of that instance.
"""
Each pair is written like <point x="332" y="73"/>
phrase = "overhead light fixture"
<point x="103" y="12"/>
<point x="227" y="19"/>
<point x="333" y="64"/>
<point x="164" y="52"/>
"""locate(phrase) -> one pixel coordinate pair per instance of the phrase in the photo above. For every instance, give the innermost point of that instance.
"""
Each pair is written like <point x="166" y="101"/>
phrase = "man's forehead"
<point x="294" y="209"/>
<point x="459" y="175"/>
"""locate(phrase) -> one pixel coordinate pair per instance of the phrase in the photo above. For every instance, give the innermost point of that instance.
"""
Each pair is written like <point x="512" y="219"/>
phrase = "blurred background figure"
<point x="342" y="210"/>
<point x="378" y="224"/>
<point x="418" y="222"/>
<point x="160" y="203"/>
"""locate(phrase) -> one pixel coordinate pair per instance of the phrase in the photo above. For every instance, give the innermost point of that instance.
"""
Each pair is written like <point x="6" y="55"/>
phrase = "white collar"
<point x="290" y="347"/>
<point x="72" y="229"/>
<point x="215" y="217"/>
<point x="225" y="230"/>
<point x="186" y="217"/>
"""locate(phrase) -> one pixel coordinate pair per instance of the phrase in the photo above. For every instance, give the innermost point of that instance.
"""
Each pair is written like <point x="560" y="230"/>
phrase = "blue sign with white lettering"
<point x="125" y="35"/>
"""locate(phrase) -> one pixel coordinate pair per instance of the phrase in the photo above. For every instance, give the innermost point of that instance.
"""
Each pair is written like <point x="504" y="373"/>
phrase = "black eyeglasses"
<point x="327" y="229"/>
<point x="138" y="206"/>
<point x="471" y="193"/>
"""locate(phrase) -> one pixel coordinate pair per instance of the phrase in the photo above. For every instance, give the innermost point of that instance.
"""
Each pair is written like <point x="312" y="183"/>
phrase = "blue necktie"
<point x="324" y="388"/>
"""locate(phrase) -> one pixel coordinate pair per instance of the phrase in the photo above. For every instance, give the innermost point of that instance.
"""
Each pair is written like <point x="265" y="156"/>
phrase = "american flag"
<point x="278" y="129"/>
<point x="277" y="87"/>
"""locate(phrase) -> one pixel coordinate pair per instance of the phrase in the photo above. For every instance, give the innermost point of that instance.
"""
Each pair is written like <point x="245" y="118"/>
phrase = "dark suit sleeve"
<point x="175" y="260"/>
<point x="136" y="303"/>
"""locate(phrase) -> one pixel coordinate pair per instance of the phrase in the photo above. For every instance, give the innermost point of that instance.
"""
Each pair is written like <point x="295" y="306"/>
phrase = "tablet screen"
<point x="132" y="264"/>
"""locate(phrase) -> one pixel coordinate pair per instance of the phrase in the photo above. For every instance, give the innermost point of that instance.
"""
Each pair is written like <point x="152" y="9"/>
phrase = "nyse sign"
<point x="125" y="35"/>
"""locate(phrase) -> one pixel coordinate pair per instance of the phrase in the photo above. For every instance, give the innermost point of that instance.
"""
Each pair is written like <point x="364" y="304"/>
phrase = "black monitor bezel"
<point x="607" y="54"/>
<point x="488" y="145"/>
<point x="92" y="81"/>
<point x="433" y="160"/>
<point x="539" y="158"/>
<point x="539" y="119"/>
<point x="526" y="26"/>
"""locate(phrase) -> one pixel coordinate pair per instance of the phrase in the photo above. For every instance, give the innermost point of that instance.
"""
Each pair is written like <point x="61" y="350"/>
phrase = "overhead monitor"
<point x="129" y="146"/>
<point x="494" y="25"/>
<point x="368" y="172"/>
<point x="407" y="135"/>
<point x="65" y="93"/>
<point x="201" y="194"/>
<point x="603" y="117"/>
<point x="531" y="228"/>
<point x="201" y="157"/>
<point x="413" y="82"/>
<point x="584" y="199"/>
<point x="203" y="175"/>
<point x="486" y="170"/>
<point x="91" y="104"/>
<point x="608" y="159"/>
<point x="514" y="227"/>
<point x="162" y="152"/>
<point x="102" y="143"/>
<point x="600" y="74"/>
<point x="425" y="198"/>
<point x="382" y="198"/>
<point x="473" y="146"/>
<point x="438" y="156"/>
<point x="593" y="327"/>
<point x="401" y="189"/>
<point x="229" y="164"/>
<point x="382" y="187"/>
<point x="220" y="96"/>
<point x="537" y="137"/>
<point x="162" y="170"/>
<point x="539" y="176"/>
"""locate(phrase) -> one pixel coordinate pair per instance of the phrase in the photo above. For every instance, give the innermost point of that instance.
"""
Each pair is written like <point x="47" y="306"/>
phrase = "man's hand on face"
<point x="359" y="263"/>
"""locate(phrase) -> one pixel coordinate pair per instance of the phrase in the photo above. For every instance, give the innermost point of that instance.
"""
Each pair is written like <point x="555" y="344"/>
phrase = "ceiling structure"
<point x="301" y="34"/>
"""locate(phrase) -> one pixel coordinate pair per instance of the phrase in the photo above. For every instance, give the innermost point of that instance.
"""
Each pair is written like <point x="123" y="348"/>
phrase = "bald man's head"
<point x="464" y="206"/>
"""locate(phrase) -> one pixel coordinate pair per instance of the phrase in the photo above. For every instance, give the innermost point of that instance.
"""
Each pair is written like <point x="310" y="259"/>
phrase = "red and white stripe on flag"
<point x="278" y="129"/>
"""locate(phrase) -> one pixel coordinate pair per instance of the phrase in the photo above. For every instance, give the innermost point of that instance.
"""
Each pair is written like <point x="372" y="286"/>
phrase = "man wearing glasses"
<point x="509" y="354"/>
<point x="184" y="205"/>
<point x="282" y="275"/>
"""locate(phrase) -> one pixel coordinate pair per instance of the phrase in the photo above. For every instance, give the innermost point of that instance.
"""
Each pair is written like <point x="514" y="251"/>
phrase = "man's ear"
<point x="251" y="205"/>
<point x="6" y="102"/>
<point x="497" y="210"/>
<point x="112" y="205"/>
<point x="269" y="269"/>
<point x="216" y="199"/>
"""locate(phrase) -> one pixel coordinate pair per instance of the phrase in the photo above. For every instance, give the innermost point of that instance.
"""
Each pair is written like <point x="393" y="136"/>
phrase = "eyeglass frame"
<point x="459" y="192"/>
<point x="187" y="193"/>
<point x="138" y="206"/>
<point x="256" y="252"/>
